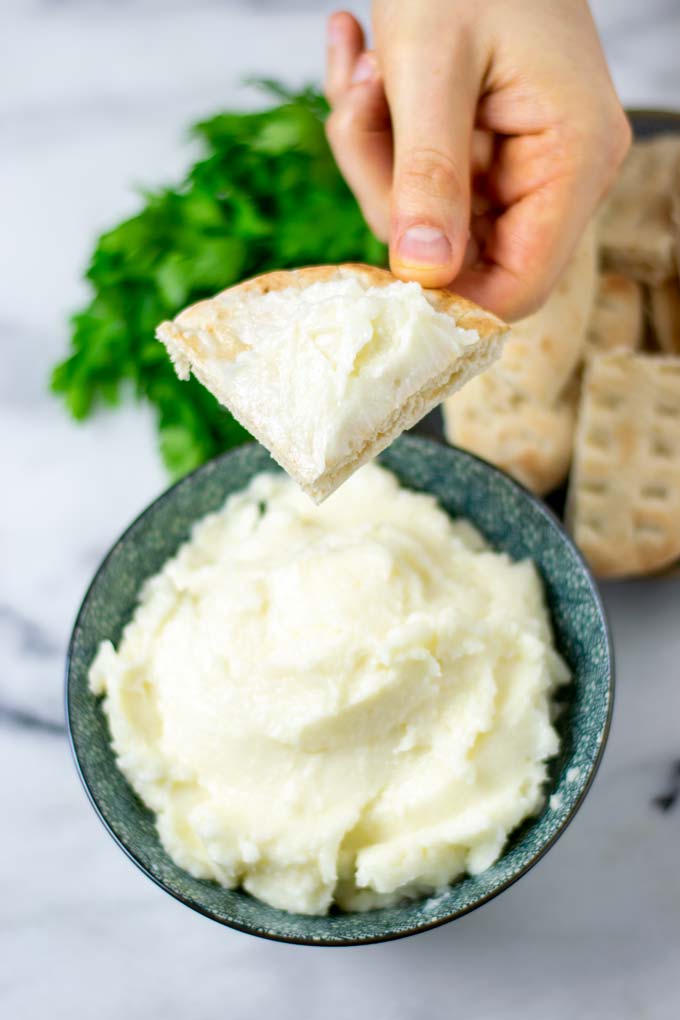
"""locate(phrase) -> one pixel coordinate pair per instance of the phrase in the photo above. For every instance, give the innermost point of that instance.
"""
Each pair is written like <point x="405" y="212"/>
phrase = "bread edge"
<point x="490" y="329"/>
<point x="466" y="314"/>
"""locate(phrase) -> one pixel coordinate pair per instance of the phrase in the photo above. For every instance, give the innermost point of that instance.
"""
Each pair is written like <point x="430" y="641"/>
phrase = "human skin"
<point x="478" y="137"/>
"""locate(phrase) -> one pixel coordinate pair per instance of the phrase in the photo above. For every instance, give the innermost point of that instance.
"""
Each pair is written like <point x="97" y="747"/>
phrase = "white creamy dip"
<point x="329" y="363"/>
<point x="344" y="703"/>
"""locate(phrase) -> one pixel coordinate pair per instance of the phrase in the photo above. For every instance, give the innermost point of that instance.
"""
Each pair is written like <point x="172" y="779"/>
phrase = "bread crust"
<point x="543" y="349"/>
<point x="623" y="506"/>
<point x="520" y="415"/>
<point x="466" y="314"/>
<point x="617" y="319"/>
<point x="635" y="222"/>
<point x="530" y="440"/>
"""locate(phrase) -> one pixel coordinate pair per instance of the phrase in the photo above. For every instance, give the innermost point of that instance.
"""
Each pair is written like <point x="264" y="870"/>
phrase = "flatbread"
<point x="665" y="309"/>
<point x="543" y="350"/>
<point x="530" y="440"/>
<point x="675" y="215"/>
<point x="635" y="224"/>
<point x="617" y="318"/>
<point x="623" y="506"/>
<point x="202" y="340"/>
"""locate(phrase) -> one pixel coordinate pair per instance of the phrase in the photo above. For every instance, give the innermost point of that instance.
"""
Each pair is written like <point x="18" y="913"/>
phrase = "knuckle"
<point x="601" y="143"/>
<point x="621" y="137"/>
<point x="335" y="127"/>
<point x="432" y="173"/>
<point x="340" y="123"/>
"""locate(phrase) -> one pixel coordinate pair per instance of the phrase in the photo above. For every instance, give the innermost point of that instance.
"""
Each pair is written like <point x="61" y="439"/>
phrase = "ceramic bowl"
<point x="513" y="521"/>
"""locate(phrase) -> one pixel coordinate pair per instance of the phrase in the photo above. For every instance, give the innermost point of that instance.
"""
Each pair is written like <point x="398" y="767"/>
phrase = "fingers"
<point x="358" y="128"/>
<point x="482" y="151"/>
<point x="548" y="183"/>
<point x="344" y="43"/>
<point x="432" y="84"/>
<point x="524" y="251"/>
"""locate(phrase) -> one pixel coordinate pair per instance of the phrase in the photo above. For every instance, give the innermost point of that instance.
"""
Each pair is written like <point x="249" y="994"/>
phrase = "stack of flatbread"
<point x="624" y="497"/>
<point x="592" y="380"/>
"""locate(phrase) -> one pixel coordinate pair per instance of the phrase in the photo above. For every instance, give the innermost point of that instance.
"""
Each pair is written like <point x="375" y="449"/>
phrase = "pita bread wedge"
<point x="665" y="308"/>
<point x="325" y="366"/>
<point x="623" y="506"/>
<point x="543" y="349"/>
<point x="617" y="318"/>
<point x="530" y="440"/>
<point x="635" y="222"/>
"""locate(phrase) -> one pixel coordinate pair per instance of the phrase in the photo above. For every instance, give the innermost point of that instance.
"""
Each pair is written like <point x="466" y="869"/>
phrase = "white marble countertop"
<point x="94" y="99"/>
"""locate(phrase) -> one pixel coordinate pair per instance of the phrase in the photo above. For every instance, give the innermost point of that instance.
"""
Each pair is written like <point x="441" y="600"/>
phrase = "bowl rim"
<point x="551" y="519"/>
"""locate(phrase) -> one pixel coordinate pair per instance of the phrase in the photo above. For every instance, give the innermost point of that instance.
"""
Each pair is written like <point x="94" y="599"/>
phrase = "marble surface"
<point x="94" y="100"/>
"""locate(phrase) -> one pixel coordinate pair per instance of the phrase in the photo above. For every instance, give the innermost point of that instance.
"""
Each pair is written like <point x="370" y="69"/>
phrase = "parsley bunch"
<point x="266" y="195"/>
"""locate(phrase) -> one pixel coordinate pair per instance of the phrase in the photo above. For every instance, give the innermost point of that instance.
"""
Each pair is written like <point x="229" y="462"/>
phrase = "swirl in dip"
<point x="347" y="703"/>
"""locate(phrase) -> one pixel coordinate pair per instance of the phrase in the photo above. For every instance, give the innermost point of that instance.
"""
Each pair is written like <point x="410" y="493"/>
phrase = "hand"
<point x="478" y="138"/>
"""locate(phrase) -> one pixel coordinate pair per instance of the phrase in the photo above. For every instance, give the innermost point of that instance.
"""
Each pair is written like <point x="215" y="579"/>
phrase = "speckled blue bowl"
<point x="512" y="520"/>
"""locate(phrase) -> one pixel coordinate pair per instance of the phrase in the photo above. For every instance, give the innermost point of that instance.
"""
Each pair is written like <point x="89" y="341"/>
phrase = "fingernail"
<point x="364" y="69"/>
<point x="424" y="245"/>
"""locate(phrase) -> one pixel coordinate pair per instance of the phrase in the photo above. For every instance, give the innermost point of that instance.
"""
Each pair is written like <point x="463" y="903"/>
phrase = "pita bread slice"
<point x="635" y="222"/>
<point x="530" y="440"/>
<point x="665" y="308"/>
<point x="326" y="365"/>
<point x="623" y="506"/>
<point x="617" y="318"/>
<point x="543" y="349"/>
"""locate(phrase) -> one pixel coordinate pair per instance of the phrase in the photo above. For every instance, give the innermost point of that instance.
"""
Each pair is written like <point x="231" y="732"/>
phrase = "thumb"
<point x="432" y="94"/>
